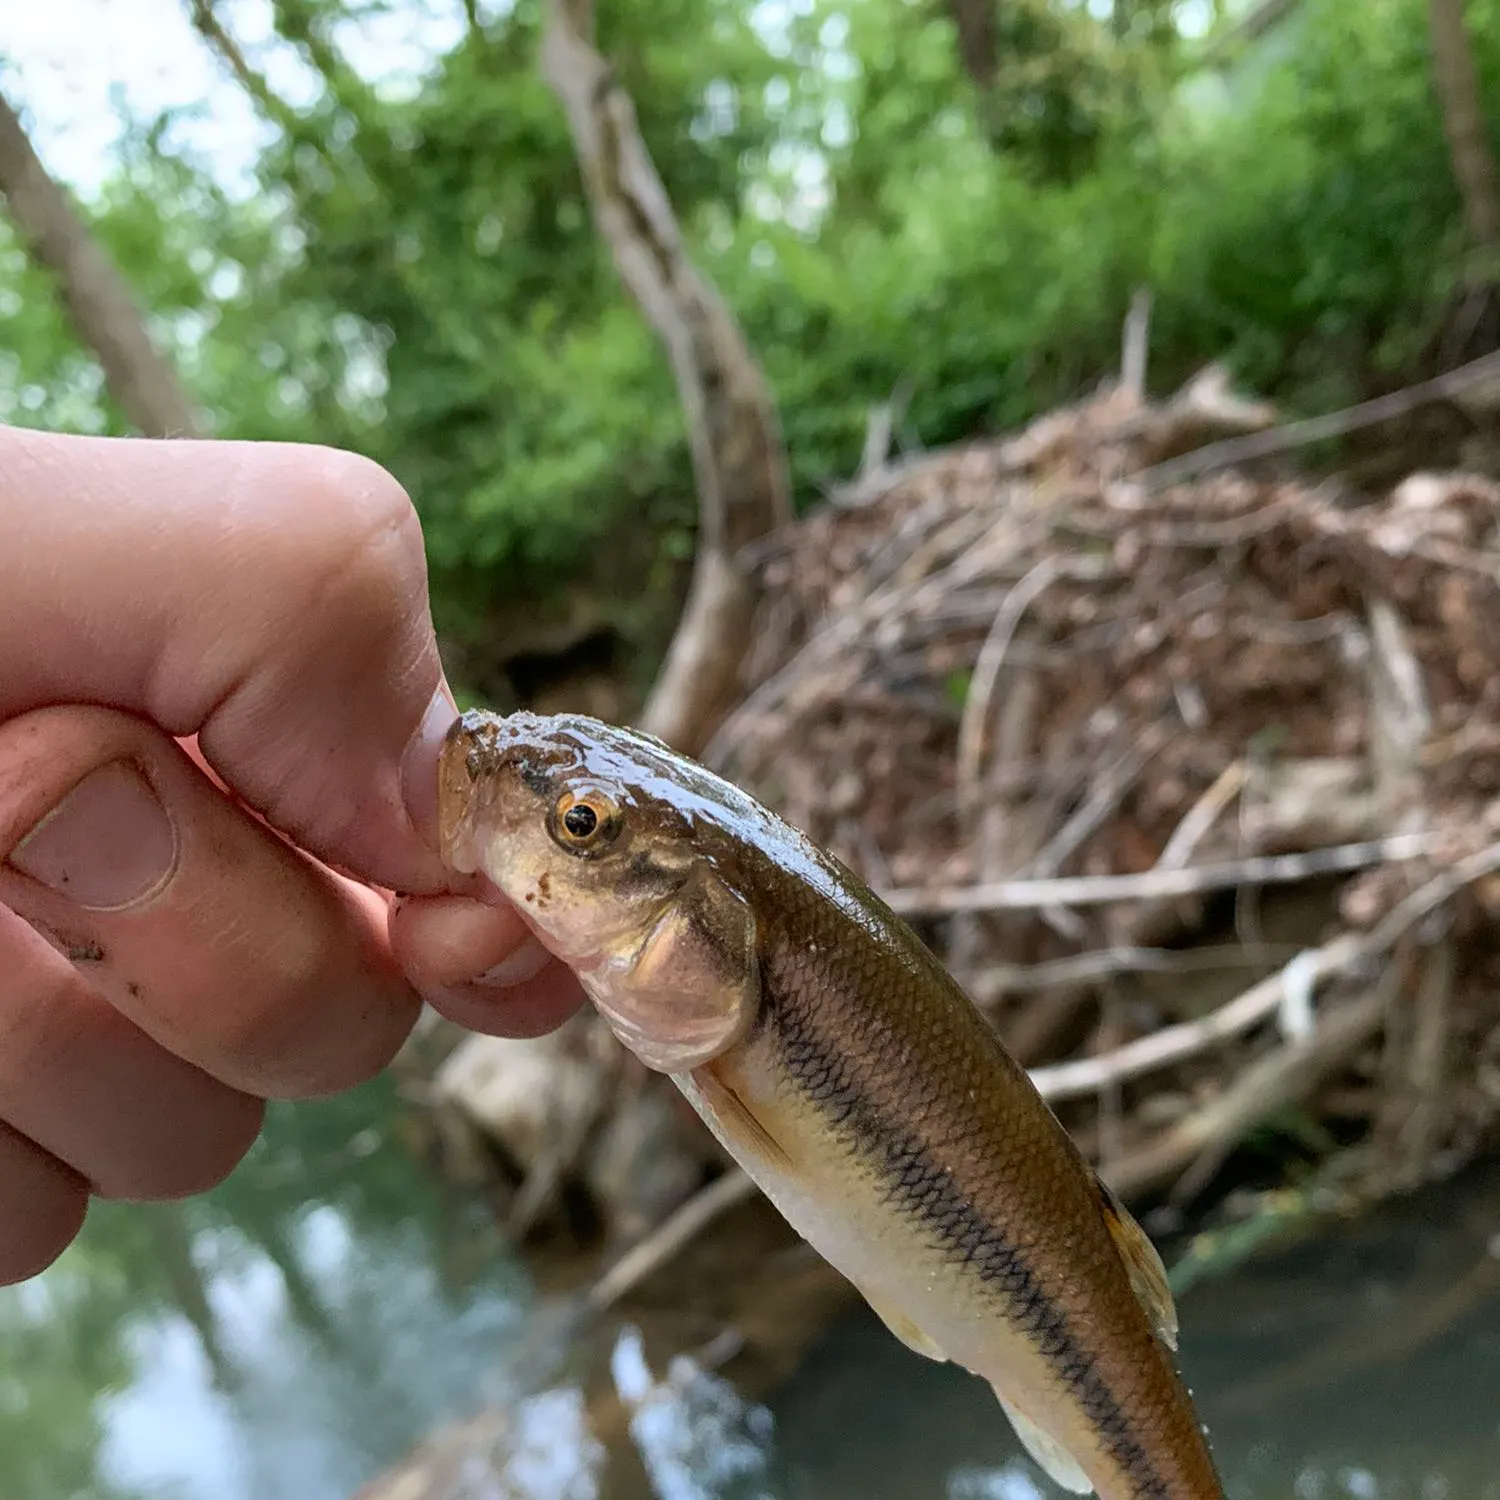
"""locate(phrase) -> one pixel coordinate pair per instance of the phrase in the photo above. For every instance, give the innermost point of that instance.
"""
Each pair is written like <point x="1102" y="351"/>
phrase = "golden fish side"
<point x="841" y="1065"/>
<point x="905" y="1145"/>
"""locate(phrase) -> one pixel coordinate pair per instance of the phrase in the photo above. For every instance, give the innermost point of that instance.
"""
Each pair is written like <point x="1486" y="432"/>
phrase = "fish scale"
<point x="949" y="1217"/>
<point x="833" y="1055"/>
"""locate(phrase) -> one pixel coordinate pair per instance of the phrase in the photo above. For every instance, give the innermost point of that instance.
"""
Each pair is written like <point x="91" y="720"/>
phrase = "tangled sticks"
<point x="1080" y="711"/>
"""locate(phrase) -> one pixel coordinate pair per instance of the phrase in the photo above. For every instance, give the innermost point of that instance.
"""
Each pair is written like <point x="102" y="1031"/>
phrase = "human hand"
<point x="198" y="640"/>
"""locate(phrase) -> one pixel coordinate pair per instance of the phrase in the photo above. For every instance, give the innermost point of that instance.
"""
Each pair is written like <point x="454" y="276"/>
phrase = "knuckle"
<point x="320" y="1016"/>
<point x="201" y="1160"/>
<point x="365" y="545"/>
<point x="42" y="1229"/>
<point x="351" y="1056"/>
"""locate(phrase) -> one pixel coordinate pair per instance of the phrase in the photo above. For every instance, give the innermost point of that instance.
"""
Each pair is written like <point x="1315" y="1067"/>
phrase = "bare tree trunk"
<point x="739" y="460"/>
<point x="1464" y="123"/>
<point x="98" y="302"/>
<point x="977" y="24"/>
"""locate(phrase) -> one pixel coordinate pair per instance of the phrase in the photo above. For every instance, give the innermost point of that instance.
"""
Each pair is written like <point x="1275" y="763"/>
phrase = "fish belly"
<point x="842" y="1209"/>
<point x="841" y="1204"/>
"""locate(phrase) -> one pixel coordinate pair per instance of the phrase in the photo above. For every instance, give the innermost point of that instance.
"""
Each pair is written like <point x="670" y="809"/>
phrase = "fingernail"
<point x="109" y="843"/>
<point x="419" y="765"/>
<point x="525" y="963"/>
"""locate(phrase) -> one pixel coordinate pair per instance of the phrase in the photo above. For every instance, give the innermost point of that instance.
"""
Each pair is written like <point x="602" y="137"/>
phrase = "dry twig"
<point x="1261" y="1001"/>
<point x="1099" y="890"/>
<point x="1257" y="445"/>
<point x="669" y="1239"/>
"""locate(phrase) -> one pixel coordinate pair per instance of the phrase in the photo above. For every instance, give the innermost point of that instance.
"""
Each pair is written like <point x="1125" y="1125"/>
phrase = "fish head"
<point x="595" y="835"/>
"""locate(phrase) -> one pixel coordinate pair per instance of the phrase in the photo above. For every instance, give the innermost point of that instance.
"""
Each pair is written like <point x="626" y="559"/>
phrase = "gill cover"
<point x="691" y="990"/>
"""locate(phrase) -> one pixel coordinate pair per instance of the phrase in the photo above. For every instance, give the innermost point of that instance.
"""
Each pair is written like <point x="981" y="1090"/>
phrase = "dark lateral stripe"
<point x="930" y="1195"/>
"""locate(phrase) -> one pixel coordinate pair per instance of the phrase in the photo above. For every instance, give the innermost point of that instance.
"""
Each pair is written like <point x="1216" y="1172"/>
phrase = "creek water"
<point x="291" y="1334"/>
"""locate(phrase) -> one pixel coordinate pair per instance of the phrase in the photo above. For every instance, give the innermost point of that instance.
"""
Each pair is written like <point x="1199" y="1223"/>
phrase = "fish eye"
<point x="580" y="820"/>
<point x="584" y="819"/>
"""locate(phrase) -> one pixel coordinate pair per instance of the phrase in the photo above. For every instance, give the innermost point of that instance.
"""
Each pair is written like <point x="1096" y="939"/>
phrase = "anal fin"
<point x="1148" y="1277"/>
<point x="1047" y="1453"/>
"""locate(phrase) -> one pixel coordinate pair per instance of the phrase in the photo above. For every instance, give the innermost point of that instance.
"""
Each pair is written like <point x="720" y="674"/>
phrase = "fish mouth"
<point x="525" y="745"/>
<point x="494" y="773"/>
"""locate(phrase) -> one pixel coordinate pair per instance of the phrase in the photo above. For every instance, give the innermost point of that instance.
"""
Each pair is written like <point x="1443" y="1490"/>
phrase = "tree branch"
<point x="739" y="462"/>
<point x="219" y="41"/>
<point x="1342" y="954"/>
<point x="99" y="304"/>
<point x="1259" y="21"/>
<point x="1457" y="82"/>
<point x="1479" y="375"/>
<point x="1158" y="883"/>
<point x="978" y="26"/>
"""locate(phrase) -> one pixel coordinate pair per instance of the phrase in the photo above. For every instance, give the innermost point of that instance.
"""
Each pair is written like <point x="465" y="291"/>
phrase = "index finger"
<point x="270" y="599"/>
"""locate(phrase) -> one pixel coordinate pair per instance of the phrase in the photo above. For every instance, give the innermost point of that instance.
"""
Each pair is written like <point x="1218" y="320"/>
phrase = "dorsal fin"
<point x="1047" y="1453"/>
<point x="1148" y="1276"/>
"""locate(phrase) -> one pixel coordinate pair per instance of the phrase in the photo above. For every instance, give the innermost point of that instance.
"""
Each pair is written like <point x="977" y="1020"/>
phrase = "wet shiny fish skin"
<point x="836" y="1059"/>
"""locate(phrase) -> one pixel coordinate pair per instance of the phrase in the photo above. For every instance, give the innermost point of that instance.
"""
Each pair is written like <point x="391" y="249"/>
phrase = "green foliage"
<point x="416" y="274"/>
<point x="1320" y="235"/>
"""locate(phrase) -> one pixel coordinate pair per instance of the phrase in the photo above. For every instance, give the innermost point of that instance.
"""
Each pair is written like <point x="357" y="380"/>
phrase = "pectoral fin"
<point x="741" y="1130"/>
<point x="1148" y="1277"/>
<point x="1050" y="1456"/>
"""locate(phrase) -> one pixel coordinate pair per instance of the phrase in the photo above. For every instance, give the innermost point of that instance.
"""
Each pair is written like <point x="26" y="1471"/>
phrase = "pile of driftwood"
<point x="1189" y="772"/>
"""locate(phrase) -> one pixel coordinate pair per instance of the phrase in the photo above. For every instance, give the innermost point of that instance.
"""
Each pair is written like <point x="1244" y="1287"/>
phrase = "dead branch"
<point x="975" y="723"/>
<point x="1414" y="1068"/>
<point x="223" y="44"/>
<point x="100" y="304"/>
<point x="880" y="434"/>
<point x="1135" y="345"/>
<point x="1109" y="963"/>
<point x="1261" y="1001"/>
<point x="1008" y="830"/>
<point x="1264" y="1087"/>
<point x="669" y="1239"/>
<point x="1476" y="374"/>
<point x="1100" y="890"/>
<point x="1256" y="23"/>
<point x="1206" y="405"/>
<point x="1174" y="1043"/>
<point x="739" y="462"/>
<point x="1177" y="853"/>
<point x="1202" y="816"/>
<point x="1400" y="719"/>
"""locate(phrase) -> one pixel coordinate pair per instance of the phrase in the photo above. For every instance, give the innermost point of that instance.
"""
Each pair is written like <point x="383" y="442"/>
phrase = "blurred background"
<point x="921" y="316"/>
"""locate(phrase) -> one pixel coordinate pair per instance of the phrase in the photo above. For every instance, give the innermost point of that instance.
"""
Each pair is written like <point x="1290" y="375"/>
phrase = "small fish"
<point x="847" y="1072"/>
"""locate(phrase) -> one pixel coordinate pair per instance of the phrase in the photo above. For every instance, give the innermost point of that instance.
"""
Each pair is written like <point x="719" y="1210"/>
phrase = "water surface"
<point x="294" y="1332"/>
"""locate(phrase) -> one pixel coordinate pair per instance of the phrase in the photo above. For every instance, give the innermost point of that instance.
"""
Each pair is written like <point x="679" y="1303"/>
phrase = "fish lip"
<point x="480" y="754"/>
<point x="492" y="742"/>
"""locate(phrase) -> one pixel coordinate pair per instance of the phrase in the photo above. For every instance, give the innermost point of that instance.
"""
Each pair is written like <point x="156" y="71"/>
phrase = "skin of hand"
<point x="220" y="710"/>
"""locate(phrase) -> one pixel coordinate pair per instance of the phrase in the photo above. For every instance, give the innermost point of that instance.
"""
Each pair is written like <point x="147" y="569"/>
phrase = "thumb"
<point x="274" y="605"/>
